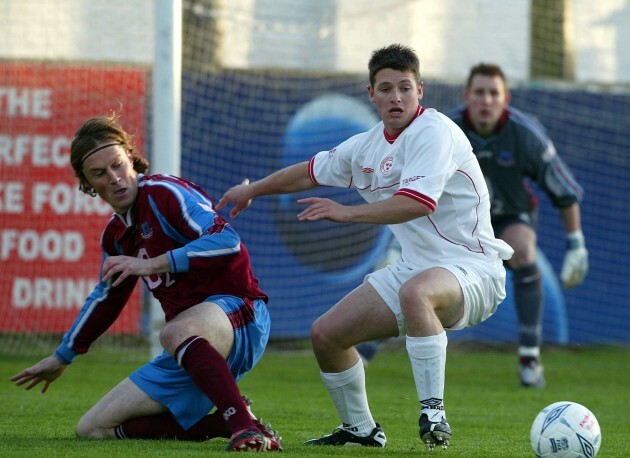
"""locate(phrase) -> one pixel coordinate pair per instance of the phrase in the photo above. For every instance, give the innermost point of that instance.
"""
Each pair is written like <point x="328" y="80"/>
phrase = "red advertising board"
<point x="50" y="254"/>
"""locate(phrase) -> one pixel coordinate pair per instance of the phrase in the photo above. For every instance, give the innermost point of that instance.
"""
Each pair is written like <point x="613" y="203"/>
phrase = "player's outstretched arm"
<point x="394" y="210"/>
<point x="238" y="196"/>
<point x="47" y="370"/>
<point x="290" y="179"/>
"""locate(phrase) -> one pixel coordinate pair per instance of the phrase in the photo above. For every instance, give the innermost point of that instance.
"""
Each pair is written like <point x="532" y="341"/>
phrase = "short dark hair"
<point x="94" y="132"/>
<point x="486" y="69"/>
<point x="397" y="57"/>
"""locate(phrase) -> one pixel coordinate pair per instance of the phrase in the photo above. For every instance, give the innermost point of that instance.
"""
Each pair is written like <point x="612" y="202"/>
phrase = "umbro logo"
<point x="367" y="170"/>
<point x="432" y="403"/>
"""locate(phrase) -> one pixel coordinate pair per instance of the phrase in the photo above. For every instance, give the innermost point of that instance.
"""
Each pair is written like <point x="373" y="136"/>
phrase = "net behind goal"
<point x="260" y="93"/>
<point x="269" y="83"/>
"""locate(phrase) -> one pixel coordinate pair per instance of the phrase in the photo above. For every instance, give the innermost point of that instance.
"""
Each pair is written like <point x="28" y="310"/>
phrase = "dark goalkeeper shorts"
<point x="499" y="223"/>
<point x="167" y="383"/>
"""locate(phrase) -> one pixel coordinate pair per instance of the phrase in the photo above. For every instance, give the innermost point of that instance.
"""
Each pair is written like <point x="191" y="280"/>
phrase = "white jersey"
<point x="432" y="162"/>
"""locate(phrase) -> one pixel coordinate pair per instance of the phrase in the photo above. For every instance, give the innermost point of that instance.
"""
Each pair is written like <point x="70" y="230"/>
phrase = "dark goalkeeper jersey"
<point x="518" y="151"/>
<point x="173" y="216"/>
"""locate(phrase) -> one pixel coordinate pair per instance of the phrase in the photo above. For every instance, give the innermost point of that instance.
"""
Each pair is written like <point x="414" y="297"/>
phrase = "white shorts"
<point x="482" y="282"/>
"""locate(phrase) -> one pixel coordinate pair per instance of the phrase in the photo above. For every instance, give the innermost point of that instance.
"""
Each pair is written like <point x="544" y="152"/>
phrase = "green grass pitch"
<point x="489" y="413"/>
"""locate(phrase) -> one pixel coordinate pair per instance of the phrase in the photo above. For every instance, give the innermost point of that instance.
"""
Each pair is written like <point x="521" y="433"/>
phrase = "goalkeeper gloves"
<point x="575" y="263"/>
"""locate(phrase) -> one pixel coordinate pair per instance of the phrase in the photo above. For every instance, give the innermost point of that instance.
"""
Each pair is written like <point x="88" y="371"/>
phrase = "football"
<point x="565" y="429"/>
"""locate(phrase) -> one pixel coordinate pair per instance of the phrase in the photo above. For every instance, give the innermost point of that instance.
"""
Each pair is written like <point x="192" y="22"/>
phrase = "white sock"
<point x="428" y="362"/>
<point x="532" y="352"/>
<point x="347" y="391"/>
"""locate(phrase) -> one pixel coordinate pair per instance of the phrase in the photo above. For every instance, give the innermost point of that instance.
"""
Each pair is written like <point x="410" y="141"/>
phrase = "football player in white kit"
<point x="418" y="174"/>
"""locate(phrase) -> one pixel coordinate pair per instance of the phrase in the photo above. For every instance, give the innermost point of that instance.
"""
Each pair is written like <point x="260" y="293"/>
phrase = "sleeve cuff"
<point x="64" y="354"/>
<point x="178" y="260"/>
<point x="575" y="240"/>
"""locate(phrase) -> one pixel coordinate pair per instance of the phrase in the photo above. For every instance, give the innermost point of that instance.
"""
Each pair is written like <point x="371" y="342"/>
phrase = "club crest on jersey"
<point x="332" y="152"/>
<point x="386" y="165"/>
<point x="505" y="158"/>
<point x="145" y="231"/>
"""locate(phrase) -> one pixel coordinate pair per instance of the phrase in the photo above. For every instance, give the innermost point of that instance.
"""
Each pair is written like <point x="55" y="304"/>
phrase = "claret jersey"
<point x="432" y="162"/>
<point x="173" y="216"/>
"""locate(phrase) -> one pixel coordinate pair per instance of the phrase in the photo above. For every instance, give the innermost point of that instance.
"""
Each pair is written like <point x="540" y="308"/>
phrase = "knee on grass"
<point x="87" y="430"/>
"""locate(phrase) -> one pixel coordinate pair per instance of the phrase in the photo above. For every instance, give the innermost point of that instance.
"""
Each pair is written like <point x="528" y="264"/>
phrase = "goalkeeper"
<point x="513" y="148"/>
<point x="165" y="231"/>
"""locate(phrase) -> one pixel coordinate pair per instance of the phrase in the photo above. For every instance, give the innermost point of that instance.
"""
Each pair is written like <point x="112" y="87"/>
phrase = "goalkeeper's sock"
<point x="528" y="298"/>
<point x="165" y="427"/>
<point x="211" y="374"/>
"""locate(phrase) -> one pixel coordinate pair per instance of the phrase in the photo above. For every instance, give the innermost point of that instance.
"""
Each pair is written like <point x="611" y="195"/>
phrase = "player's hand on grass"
<point x="575" y="265"/>
<point x="47" y="370"/>
<point x="238" y="196"/>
